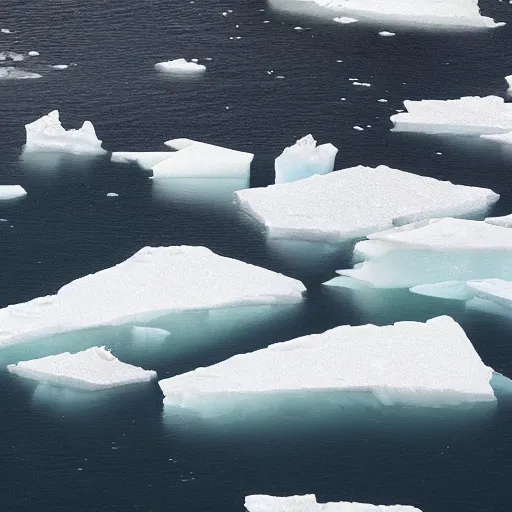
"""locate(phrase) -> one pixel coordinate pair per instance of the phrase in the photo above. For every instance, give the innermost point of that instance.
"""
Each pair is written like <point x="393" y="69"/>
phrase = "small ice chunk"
<point x="505" y="221"/>
<point x="382" y="100"/>
<point x="60" y="66"/>
<point x="467" y="115"/>
<point x="434" y="251"/>
<point x="92" y="369"/>
<point x="112" y="194"/>
<point x="33" y="53"/>
<point x="358" y="128"/>
<point x="344" y="20"/>
<point x="15" y="57"/>
<point x="11" y="192"/>
<point x="308" y="503"/>
<point x="385" y="33"/>
<point x="352" y="203"/>
<point x="153" y="282"/>
<point x="179" y="66"/>
<point x="412" y="363"/>
<point x="47" y="134"/>
<point x="194" y="60"/>
<point x="10" y="73"/>
<point x="364" y="84"/>
<point x="149" y="334"/>
<point x="304" y="159"/>
<point x="5" y="31"/>
<point x="298" y="28"/>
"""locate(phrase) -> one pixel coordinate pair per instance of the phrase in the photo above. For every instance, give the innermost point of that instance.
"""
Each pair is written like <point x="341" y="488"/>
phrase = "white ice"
<point x="308" y="503"/>
<point x="47" y="134"/>
<point x="344" y="20"/>
<point x="33" y="53"/>
<point x="92" y="369"/>
<point x="434" y="251"/>
<point x="149" y="334"/>
<point x="304" y="159"/>
<point x="503" y="138"/>
<point x="469" y="115"/>
<point x="60" y="67"/>
<point x="11" y="192"/>
<point x="153" y="282"/>
<point x="435" y="13"/>
<point x="10" y="73"/>
<point x="354" y="202"/>
<point x="385" y="33"/>
<point x="505" y="221"/>
<point x="413" y="363"/>
<point x="15" y="57"/>
<point x="179" y="66"/>
<point x="144" y="159"/>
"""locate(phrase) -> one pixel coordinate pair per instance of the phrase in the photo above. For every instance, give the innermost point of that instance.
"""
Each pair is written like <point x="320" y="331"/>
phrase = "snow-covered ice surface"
<point x="354" y="202"/>
<point x="180" y="66"/>
<point x="308" y="503"/>
<point x="469" y="115"/>
<point x="504" y="221"/>
<point x="92" y="369"/>
<point x="11" y="192"/>
<point x="434" y="251"/>
<point x="412" y="363"/>
<point x="509" y="83"/>
<point x="148" y="285"/>
<point x="11" y="73"/>
<point x="304" y="159"/>
<point x="435" y="13"/>
<point x="48" y="134"/>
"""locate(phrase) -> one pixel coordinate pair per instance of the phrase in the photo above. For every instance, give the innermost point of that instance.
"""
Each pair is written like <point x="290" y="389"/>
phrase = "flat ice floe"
<point x="11" y="192"/>
<point x="180" y="66"/>
<point x="424" y="364"/>
<point x="191" y="159"/>
<point x="351" y="203"/>
<point x="92" y="369"/>
<point x="434" y="251"/>
<point x="48" y="134"/>
<point x="308" y="503"/>
<point x="505" y="221"/>
<point x="469" y="115"/>
<point x="435" y="13"/>
<point x="304" y="159"/>
<point x="148" y="285"/>
<point x="11" y="73"/>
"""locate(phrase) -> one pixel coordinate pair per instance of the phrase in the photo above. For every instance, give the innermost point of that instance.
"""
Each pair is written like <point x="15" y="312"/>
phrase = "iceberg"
<point x="352" y="203"/>
<point x="10" y="73"/>
<point x="469" y="115"/>
<point x="433" y="251"/>
<point x="190" y="159"/>
<point x="505" y="221"/>
<point x="47" y="134"/>
<point x="463" y="14"/>
<point x="8" y="192"/>
<point x="304" y="159"/>
<point x="153" y="282"/>
<point x="179" y="66"/>
<point x="407" y="363"/>
<point x="308" y="503"/>
<point x="92" y="369"/>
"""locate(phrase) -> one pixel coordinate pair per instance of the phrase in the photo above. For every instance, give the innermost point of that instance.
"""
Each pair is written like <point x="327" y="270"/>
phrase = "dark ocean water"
<point x="118" y="451"/>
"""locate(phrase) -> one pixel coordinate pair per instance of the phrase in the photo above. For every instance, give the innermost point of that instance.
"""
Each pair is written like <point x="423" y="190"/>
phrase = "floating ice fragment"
<point x="344" y="20"/>
<point x="60" y="67"/>
<point x="358" y="128"/>
<point x="298" y="28"/>
<point x="11" y="192"/>
<point x="5" y="31"/>
<point x="342" y="205"/>
<point x="467" y="115"/>
<point x="112" y="194"/>
<point x="92" y="369"/>
<point x="304" y="159"/>
<point x="364" y="84"/>
<point x="179" y="66"/>
<point x="33" y="53"/>
<point x="15" y="57"/>
<point x="150" y="284"/>
<point x="382" y="100"/>
<point x="413" y="363"/>
<point x="47" y="134"/>
<point x="308" y="503"/>
<point x="10" y="73"/>
<point x="385" y="33"/>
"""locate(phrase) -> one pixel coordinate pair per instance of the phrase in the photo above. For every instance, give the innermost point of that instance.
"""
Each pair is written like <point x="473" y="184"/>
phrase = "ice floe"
<point x="13" y="56"/>
<point x="434" y="251"/>
<point x="179" y="66"/>
<point x="48" y="134"/>
<point x="355" y="202"/>
<point x="472" y="115"/>
<point x="11" y="73"/>
<point x="33" y="53"/>
<point x="344" y="20"/>
<point x="435" y="13"/>
<point x="385" y="33"/>
<point x="413" y="363"/>
<point x="11" y="192"/>
<point x="60" y="67"/>
<point x="308" y="503"/>
<point x="148" y="285"/>
<point x="304" y="159"/>
<point x="504" y="221"/>
<point x="92" y="369"/>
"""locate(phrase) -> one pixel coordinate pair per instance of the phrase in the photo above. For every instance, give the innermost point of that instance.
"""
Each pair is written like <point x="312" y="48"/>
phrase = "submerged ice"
<point x="304" y="159"/>
<point x="48" y="134"/>
<point x="427" y="364"/>
<point x="308" y="503"/>
<point x="354" y="202"/>
<point x="92" y="369"/>
<point x="153" y="282"/>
